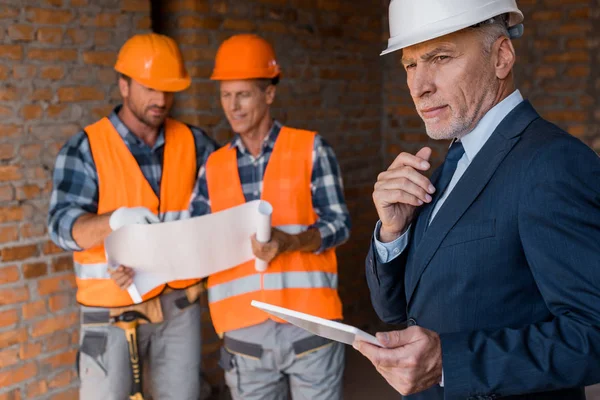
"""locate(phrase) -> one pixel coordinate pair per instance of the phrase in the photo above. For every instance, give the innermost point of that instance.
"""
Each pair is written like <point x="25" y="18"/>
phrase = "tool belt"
<point x="152" y="308"/>
<point x="301" y="347"/>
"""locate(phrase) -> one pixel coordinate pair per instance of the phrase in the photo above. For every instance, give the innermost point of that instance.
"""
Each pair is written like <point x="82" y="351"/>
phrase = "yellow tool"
<point x="129" y="321"/>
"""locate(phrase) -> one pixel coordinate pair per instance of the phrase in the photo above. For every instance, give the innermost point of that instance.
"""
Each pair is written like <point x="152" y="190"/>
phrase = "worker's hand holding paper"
<point x="187" y="249"/>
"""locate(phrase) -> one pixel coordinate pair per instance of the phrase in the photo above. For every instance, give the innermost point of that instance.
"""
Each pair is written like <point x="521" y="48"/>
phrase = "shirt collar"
<point x="128" y="136"/>
<point x="268" y="143"/>
<point x="474" y="140"/>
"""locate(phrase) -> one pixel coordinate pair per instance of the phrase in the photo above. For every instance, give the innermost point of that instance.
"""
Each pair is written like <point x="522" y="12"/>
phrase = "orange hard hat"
<point x="245" y="56"/>
<point x="154" y="61"/>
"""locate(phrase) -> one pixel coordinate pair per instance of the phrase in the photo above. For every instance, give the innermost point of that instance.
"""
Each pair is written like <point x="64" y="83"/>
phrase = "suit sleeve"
<point x="559" y="228"/>
<point x="386" y="284"/>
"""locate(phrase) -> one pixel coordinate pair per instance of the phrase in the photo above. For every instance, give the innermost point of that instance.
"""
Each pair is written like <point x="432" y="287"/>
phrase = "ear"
<point x="504" y="59"/>
<point x="123" y="87"/>
<point x="270" y="94"/>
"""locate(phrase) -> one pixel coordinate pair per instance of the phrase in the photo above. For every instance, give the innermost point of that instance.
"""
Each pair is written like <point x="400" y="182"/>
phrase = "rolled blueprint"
<point x="263" y="231"/>
<point x="188" y="249"/>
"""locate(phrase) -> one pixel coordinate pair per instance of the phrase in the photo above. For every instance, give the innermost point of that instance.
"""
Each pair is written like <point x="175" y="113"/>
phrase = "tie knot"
<point x="455" y="152"/>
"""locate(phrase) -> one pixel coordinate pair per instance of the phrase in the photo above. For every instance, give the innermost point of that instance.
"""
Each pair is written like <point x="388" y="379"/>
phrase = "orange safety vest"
<point x="121" y="183"/>
<point x="301" y="281"/>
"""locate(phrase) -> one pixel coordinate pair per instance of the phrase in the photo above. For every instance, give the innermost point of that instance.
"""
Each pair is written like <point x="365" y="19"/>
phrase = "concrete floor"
<point x="362" y="382"/>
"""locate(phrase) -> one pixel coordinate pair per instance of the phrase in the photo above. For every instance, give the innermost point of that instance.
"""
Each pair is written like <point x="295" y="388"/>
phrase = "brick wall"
<point x="557" y="70"/>
<point x="56" y="76"/>
<point x="331" y="82"/>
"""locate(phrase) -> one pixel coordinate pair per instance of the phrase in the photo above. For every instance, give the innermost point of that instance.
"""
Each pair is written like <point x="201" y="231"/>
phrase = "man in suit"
<point x="494" y="262"/>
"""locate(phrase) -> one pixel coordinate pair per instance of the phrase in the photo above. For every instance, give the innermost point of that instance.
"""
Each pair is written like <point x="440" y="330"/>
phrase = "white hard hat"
<point x="416" y="21"/>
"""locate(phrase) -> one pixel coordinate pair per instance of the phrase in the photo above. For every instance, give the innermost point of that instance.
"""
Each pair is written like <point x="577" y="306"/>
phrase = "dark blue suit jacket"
<point x="508" y="272"/>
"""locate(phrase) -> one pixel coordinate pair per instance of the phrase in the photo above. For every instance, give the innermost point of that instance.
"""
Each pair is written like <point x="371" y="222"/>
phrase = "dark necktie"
<point x="455" y="153"/>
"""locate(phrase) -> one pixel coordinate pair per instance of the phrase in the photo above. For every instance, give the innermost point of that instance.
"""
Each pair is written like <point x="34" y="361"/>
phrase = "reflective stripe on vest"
<point x="283" y="280"/>
<point x="305" y="282"/>
<point x="121" y="183"/>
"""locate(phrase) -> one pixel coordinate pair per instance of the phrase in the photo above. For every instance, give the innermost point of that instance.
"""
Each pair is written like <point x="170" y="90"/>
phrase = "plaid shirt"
<point x="326" y="186"/>
<point x="75" y="179"/>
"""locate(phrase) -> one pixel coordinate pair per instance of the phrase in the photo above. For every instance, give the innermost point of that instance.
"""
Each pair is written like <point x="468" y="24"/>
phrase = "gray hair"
<point x="491" y="29"/>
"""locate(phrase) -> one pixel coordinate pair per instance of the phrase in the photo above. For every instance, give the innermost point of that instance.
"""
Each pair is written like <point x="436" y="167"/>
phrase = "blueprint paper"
<point x="186" y="249"/>
<point x="263" y="232"/>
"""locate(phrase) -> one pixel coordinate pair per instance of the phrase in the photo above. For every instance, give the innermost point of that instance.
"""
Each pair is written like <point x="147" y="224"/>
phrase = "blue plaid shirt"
<point x="75" y="179"/>
<point x="326" y="186"/>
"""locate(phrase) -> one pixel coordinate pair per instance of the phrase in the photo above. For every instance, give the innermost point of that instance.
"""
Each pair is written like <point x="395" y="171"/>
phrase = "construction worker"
<point x="136" y="166"/>
<point x="297" y="172"/>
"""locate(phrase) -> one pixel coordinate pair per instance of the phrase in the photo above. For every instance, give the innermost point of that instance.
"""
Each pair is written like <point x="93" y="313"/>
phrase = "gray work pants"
<point x="309" y="374"/>
<point x="171" y="349"/>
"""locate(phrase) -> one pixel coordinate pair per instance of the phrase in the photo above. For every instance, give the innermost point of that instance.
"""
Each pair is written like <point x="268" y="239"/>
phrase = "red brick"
<point x="11" y="213"/>
<point x="143" y="23"/>
<point x="50" y="248"/>
<point x="200" y="6"/>
<point x="30" y="151"/>
<point x="78" y="36"/>
<point x="70" y="394"/>
<point x="60" y="360"/>
<point x="7" y="193"/>
<point x="135" y="6"/>
<point x="58" y="341"/>
<point x="62" y="379"/>
<point x="56" y="284"/>
<point x="55" y="3"/>
<point x="106" y="58"/>
<point x="199" y="53"/>
<point x="42" y="94"/>
<point x="36" y="389"/>
<point x="194" y="22"/>
<point x="9" y="274"/>
<point x="102" y="38"/>
<point x="31" y="230"/>
<point x="239" y="24"/>
<point x="50" y="35"/>
<point x="546" y="15"/>
<point x="19" y="252"/>
<point x="52" y="72"/>
<point x="79" y="93"/>
<point x="4" y="71"/>
<point x="59" y="302"/>
<point x="8" y="93"/>
<point x="565" y="115"/>
<point x="52" y="55"/>
<point x="272" y="26"/>
<point x="577" y="130"/>
<point x="101" y="111"/>
<point x="49" y="16"/>
<point x="20" y="32"/>
<point x="13" y="295"/>
<point x="16" y="375"/>
<point x="7" y="151"/>
<point x="8" y="12"/>
<point x="24" y="71"/>
<point x="572" y="56"/>
<point x="56" y="110"/>
<point x="13" y="337"/>
<point x="34" y="309"/>
<point x="580" y="13"/>
<point x="569" y="29"/>
<point x="31" y="111"/>
<point x="79" y="3"/>
<point x="102" y="20"/>
<point x="579" y="71"/>
<point x="62" y="264"/>
<point x="11" y="51"/>
<point x="8" y="317"/>
<point x="9" y="357"/>
<point x="30" y="350"/>
<point x="28" y="192"/>
<point x="35" y="270"/>
<point x="8" y="233"/>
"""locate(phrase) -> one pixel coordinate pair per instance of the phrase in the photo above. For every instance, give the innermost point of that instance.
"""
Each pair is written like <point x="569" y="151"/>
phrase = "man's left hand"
<point x="279" y="243"/>
<point x="411" y="361"/>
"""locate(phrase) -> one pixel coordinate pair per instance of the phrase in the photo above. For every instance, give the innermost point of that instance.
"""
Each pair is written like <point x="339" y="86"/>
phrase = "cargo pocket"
<point x="90" y="358"/>
<point x="228" y="362"/>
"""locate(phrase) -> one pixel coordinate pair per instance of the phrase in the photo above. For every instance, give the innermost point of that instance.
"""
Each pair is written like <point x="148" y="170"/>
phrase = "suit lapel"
<point x="470" y="185"/>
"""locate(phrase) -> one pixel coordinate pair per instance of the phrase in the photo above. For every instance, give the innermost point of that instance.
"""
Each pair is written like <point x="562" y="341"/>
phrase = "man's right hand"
<point x="133" y="215"/>
<point x="400" y="190"/>
<point x="122" y="276"/>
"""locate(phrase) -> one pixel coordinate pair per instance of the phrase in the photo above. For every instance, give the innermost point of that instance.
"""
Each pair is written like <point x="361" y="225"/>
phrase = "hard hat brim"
<point x="175" y="85"/>
<point x="233" y="76"/>
<point x="450" y="25"/>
